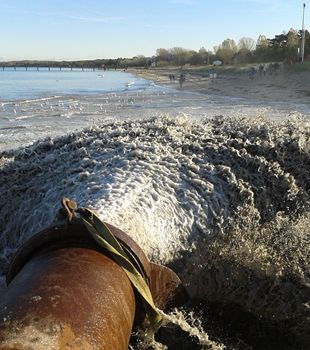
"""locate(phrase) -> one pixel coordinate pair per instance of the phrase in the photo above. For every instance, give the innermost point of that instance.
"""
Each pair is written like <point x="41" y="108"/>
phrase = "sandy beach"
<point x="25" y="120"/>
<point x="285" y="86"/>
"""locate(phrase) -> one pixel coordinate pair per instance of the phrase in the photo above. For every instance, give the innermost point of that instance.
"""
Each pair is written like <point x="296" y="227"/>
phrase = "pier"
<point x="48" y="68"/>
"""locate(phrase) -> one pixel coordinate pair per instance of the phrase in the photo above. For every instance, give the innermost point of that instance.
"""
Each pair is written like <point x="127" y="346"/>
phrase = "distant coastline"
<point x="90" y="64"/>
<point x="290" y="84"/>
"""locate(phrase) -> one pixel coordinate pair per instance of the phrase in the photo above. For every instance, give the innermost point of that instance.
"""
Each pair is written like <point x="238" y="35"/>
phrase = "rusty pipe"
<point x="70" y="298"/>
<point x="65" y="292"/>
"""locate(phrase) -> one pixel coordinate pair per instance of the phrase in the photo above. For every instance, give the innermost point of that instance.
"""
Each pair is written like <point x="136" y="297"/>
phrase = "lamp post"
<point x="302" y="51"/>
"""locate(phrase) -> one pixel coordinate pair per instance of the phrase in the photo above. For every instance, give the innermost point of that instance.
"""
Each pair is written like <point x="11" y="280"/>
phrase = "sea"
<point x="214" y="187"/>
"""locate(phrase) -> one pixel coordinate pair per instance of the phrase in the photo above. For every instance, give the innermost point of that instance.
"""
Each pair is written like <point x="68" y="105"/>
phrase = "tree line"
<point x="284" y="47"/>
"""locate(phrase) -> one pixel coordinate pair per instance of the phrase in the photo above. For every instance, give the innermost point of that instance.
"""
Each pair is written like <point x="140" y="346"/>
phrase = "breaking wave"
<point x="223" y="201"/>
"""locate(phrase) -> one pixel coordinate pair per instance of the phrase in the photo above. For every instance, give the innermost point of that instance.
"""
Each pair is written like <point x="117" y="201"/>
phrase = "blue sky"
<point x="76" y="29"/>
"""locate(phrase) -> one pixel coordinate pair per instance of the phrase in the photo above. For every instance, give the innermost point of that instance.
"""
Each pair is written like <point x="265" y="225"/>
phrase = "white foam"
<point x="221" y="199"/>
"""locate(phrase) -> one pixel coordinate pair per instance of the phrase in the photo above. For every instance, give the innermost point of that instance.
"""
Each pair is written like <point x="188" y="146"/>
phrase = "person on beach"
<point x="251" y="73"/>
<point x="276" y="68"/>
<point x="181" y="80"/>
<point x="261" y="71"/>
<point x="265" y="71"/>
<point x="270" y="69"/>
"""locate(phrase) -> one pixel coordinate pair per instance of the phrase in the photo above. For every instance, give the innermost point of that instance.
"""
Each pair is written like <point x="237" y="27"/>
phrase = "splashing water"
<point x="188" y="322"/>
<point x="223" y="201"/>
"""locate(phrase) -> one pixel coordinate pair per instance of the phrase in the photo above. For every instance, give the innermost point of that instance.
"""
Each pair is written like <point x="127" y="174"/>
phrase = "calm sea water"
<point x="22" y="84"/>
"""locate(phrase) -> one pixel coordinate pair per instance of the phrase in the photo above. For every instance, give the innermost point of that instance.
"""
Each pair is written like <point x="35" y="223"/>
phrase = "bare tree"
<point x="163" y="55"/>
<point x="246" y="44"/>
<point x="227" y="50"/>
<point x="262" y="42"/>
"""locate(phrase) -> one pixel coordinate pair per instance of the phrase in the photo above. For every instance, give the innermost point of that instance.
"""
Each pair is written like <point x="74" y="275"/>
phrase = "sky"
<point x="90" y="29"/>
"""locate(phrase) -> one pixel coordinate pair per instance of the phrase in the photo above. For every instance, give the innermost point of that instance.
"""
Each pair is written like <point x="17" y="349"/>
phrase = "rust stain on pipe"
<point x="70" y="298"/>
<point x="66" y="293"/>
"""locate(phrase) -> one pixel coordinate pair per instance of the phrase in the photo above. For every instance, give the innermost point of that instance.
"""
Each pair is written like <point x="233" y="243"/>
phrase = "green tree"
<point x="262" y="42"/>
<point x="292" y="45"/>
<point x="262" y="49"/>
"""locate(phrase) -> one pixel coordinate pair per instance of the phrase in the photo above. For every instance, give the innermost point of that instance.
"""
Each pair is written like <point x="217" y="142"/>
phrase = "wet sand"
<point x="283" y="87"/>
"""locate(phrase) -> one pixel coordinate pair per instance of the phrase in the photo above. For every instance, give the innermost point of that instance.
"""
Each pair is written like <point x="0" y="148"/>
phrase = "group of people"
<point x="171" y="77"/>
<point x="263" y="70"/>
<point x="181" y="78"/>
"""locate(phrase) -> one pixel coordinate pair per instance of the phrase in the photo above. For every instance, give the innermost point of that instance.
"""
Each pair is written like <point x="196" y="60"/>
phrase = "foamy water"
<point x="223" y="200"/>
<point x="24" y="121"/>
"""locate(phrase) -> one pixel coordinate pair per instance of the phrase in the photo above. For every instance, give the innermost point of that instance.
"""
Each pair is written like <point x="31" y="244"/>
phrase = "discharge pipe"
<point x="66" y="292"/>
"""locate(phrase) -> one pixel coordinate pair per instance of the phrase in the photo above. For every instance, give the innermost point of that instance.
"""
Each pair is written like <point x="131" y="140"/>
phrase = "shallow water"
<point x="27" y="85"/>
<point x="24" y="121"/>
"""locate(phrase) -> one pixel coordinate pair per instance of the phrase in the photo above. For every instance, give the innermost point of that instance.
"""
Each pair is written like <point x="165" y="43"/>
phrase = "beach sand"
<point x="285" y="86"/>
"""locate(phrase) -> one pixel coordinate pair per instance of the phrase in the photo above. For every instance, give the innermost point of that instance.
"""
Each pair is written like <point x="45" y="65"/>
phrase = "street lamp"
<point x="302" y="51"/>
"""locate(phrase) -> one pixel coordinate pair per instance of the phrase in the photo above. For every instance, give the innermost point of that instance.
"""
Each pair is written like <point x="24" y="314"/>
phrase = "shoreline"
<point x="284" y="87"/>
<point x="23" y="122"/>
